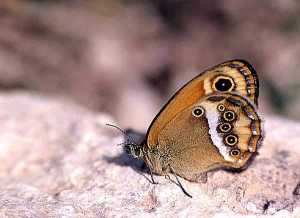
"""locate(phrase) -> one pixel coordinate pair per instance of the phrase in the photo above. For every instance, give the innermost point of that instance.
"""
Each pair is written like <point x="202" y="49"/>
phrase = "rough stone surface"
<point x="60" y="160"/>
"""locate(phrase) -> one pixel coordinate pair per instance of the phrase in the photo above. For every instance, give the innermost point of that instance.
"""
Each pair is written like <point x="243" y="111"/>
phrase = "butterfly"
<point x="210" y="123"/>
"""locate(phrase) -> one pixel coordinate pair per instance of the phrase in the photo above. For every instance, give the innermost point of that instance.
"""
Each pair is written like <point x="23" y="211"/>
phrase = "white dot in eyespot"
<point x="198" y="112"/>
<point x="221" y="107"/>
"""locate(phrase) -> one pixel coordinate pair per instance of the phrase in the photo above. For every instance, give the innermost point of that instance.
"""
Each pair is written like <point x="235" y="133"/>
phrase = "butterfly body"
<point x="210" y="123"/>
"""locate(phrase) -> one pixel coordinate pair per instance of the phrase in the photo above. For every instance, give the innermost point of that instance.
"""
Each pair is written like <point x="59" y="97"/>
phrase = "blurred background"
<point x="127" y="57"/>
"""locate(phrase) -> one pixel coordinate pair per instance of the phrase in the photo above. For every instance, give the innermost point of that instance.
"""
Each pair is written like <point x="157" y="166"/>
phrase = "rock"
<point x="60" y="160"/>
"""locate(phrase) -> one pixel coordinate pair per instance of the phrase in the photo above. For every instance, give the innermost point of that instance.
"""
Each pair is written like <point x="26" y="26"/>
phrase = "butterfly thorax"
<point x="152" y="157"/>
<point x="155" y="159"/>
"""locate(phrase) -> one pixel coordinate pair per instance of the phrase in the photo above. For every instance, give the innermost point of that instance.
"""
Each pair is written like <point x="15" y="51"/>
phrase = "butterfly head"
<point x="130" y="144"/>
<point x="133" y="149"/>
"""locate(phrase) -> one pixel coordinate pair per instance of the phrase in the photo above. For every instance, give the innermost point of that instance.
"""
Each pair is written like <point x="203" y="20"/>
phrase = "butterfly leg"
<point x="151" y="173"/>
<point x="152" y="178"/>
<point x="178" y="182"/>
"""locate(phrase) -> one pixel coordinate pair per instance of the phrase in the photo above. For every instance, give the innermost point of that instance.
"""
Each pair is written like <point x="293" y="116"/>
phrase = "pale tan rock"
<point x="60" y="160"/>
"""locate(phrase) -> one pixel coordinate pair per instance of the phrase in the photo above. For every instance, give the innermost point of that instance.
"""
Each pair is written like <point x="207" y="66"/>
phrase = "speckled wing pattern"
<point x="210" y="123"/>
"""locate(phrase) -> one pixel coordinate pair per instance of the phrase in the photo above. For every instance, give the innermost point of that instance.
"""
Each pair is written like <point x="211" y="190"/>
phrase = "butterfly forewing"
<point x="235" y="76"/>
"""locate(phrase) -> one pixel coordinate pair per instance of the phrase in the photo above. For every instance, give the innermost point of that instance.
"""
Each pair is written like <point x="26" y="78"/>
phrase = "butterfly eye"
<point x="223" y="84"/>
<point x="229" y="116"/>
<point x="198" y="112"/>
<point x="221" y="107"/>
<point x="235" y="152"/>
<point x="225" y="127"/>
<point x="231" y="140"/>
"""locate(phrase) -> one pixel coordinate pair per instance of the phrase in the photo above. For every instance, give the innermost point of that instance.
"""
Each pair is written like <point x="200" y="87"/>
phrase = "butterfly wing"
<point x="232" y="76"/>
<point x="226" y="133"/>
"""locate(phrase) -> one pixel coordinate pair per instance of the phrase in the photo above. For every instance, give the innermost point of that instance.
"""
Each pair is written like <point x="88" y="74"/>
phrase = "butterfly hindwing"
<point x="220" y="130"/>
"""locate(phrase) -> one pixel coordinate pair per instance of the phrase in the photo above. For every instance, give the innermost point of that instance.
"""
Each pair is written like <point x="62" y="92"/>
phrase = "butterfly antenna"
<point x="131" y="140"/>
<point x="179" y="183"/>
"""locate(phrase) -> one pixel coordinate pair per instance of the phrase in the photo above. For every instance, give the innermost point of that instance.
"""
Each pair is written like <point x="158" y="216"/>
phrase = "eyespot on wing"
<point x="246" y="134"/>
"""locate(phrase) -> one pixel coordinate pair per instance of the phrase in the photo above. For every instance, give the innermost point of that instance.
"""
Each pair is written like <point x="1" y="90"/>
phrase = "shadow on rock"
<point x="126" y="160"/>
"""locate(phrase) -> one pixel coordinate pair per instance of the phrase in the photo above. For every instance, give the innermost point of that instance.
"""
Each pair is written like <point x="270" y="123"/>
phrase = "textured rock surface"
<point x="59" y="160"/>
